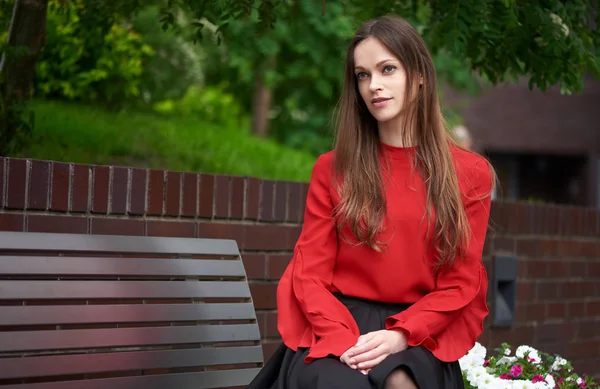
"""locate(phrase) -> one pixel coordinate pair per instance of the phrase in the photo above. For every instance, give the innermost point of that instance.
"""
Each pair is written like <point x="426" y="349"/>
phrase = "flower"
<point x="528" y="368"/>
<point x="516" y="370"/>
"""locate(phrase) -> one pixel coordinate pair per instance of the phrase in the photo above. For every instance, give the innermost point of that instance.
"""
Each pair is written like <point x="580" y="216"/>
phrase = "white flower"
<point x="531" y="353"/>
<point x="558" y="363"/>
<point x="522" y="384"/>
<point x="579" y="381"/>
<point x="507" y="351"/>
<point x="550" y="380"/>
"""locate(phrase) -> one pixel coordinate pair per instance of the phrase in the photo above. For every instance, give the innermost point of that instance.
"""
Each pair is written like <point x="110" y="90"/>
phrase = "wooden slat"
<point x="23" y="290"/>
<point x="98" y="266"/>
<point x="78" y="314"/>
<point x="38" y="241"/>
<point x="56" y="365"/>
<point x="125" y="337"/>
<point x="204" y="380"/>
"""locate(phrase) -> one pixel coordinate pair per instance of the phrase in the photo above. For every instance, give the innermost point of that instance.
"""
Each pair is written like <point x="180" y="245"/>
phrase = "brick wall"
<point x="558" y="248"/>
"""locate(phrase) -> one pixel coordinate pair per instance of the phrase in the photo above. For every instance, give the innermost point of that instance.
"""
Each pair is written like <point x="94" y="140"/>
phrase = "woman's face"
<point x="381" y="79"/>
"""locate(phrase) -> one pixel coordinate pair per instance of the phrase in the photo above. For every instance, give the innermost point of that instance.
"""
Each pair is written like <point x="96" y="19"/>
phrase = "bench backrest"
<point x="120" y="312"/>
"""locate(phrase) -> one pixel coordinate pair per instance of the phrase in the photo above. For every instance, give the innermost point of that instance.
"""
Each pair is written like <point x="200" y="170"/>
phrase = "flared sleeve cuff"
<point x="334" y="343"/>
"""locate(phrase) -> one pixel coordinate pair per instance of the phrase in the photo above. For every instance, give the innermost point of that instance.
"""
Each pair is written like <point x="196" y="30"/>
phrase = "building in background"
<point x="545" y="147"/>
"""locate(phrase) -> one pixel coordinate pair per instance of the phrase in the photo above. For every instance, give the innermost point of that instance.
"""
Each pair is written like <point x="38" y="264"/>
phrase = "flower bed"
<point x="527" y="368"/>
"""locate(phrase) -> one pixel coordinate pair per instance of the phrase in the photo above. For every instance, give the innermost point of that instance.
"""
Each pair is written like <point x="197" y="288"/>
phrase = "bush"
<point x="89" y="63"/>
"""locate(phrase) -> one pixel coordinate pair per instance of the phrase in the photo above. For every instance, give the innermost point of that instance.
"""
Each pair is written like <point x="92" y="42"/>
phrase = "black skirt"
<point x="286" y="369"/>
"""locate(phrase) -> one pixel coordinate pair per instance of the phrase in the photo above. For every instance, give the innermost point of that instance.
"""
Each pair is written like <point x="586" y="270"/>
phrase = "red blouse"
<point x="448" y="310"/>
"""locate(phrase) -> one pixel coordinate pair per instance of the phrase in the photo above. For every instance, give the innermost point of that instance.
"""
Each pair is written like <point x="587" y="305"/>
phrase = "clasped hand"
<point x="372" y="348"/>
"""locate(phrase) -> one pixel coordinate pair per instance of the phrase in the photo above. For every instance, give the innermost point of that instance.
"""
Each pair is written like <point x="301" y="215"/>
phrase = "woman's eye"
<point x="361" y="75"/>
<point x="389" y="68"/>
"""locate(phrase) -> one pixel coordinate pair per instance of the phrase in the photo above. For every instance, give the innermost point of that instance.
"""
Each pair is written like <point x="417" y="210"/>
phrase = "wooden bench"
<point x="120" y="312"/>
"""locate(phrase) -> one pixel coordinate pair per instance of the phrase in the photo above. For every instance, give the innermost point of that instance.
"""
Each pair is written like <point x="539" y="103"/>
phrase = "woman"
<point x="386" y="288"/>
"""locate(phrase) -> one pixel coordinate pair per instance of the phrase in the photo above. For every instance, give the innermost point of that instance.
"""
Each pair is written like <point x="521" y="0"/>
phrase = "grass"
<point x="85" y="134"/>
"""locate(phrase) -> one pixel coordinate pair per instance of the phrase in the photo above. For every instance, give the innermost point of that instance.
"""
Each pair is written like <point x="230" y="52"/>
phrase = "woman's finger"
<point x="368" y="365"/>
<point x="364" y="347"/>
<point x="367" y="356"/>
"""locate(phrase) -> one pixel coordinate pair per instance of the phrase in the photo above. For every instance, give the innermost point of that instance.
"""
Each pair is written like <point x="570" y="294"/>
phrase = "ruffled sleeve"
<point x="449" y="320"/>
<point x="309" y="315"/>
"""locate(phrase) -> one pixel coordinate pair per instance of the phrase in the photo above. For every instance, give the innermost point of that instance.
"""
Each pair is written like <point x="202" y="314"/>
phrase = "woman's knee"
<point x="400" y="379"/>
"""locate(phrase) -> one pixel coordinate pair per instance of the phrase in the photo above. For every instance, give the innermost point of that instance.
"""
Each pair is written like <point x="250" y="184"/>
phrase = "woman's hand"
<point x="374" y="347"/>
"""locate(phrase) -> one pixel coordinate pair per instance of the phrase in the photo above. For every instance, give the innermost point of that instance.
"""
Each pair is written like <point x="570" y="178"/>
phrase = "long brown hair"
<point x="356" y="165"/>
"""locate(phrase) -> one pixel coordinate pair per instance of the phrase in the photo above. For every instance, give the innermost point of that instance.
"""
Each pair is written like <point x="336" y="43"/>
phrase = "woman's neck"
<point x="391" y="133"/>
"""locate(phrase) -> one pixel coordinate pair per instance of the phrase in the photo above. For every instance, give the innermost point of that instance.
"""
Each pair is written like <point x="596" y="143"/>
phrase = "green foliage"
<point x="211" y="104"/>
<point x="550" y="41"/>
<point x="100" y="64"/>
<point x="83" y="134"/>
<point x="177" y="62"/>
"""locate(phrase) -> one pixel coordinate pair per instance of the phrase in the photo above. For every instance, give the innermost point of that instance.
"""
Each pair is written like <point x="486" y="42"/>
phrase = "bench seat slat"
<point x="42" y="290"/>
<point x="125" y="337"/>
<point x="41" y="241"/>
<point x="124" y="313"/>
<point x="203" y="380"/>
<point x="56" y="365"/>
<point x="98" y="266"/>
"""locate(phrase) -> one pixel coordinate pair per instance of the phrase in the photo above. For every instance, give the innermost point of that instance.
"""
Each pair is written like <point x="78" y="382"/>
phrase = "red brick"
<point x="555" y="332"/>
<point x="213" y="230"/>
<point x="137" y="200"/>
<point x="587" y="329"/>
<point x="551" y="248"/>
<point x="173" y="193"/>
<point x="80" y="188"/>
<point x="295" y="207"/>
<point x="264" y="295"/>
<point x="222" y="196"/>
<point x="190" y="194"/>
<point x="2" y="181"/>
<point x="498" y="216"/>
<point x="60" y="224"/>
<point x="528" y="247"/>
<point x="252" y="199"/>
<point x="182" y="229"/>
<point x="207" y="190"/>
<point x="271" y="325"/>
<point x="269" y="349"/>
<point x="267" y="237"/>
<point x="531" y="311"/>
<point x="267" y="196"/>
<point x="59" y="192"/>
<point x="587" y="349"/>
<point x="119" y="190"/>
<point x="277" y="264"/>
<point x="588" y="249"/>
<point x="39" y="185"/>
<point x="255" y="265"/>
<point x="11" y="222"/>
<point x="548" y="290"/>
<point x="261" y="320"/>
<point x="593" y="269"/>
<point x="571" y="289"/>
<point x="572" y="248"/>
<point x="576" y="309"/>
<point x="558" y="269"/>
<point x="556" y="310"/>
<point x="505" y="244"/>
<point x="17" y="183"/>
<point x="578" y="269"/>
<point x="238" y="195"/>
<point x="156" y="192"/>
<point x="525" y="291"/>
<point x="592" y="308"/>
<point x="536" y="269"/>
<point x="280" y="206"/>
<point x="101" y="177"/>
<point x="117" y="226"/>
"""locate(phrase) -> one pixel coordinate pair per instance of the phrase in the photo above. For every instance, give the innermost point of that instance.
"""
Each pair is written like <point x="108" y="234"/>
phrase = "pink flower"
<point x="505" y="377"/>
<point x="537" y="378"/>
<point x="486" y="363"/>
<point x="582" y="384"/>
<point x="516" y="370"/>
